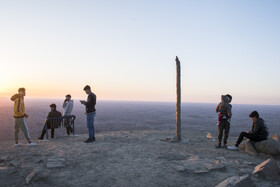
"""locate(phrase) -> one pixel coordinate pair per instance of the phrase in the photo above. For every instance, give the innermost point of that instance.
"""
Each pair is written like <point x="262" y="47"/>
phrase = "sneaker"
<point x="31" y="144"/>
<point x="225" y="146"/>
<point x="233" y="148"/>
<point x="218" y="146"/>
<point x="87" y="140"/>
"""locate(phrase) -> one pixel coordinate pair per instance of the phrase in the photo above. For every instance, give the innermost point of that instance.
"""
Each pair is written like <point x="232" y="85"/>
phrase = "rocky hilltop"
<point x="129" y="158"/>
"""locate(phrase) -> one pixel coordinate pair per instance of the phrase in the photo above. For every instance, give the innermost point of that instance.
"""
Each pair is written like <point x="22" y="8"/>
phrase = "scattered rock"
<point x="14" y="163"/>
<point x="55" y="162"/>
<point x="185" y="141"/>
<point x="249" y="148"/>
<point x="236" y="181"/>
<point x="179" y="168"/>
<point x="209" y="136"/>
<point x="248" y="163"/>
<point x="270" y="146"/>
<point x="174" y="139"/>
<point x="3" y="158"/>
<point x="268" y="170"/>
<point x="198" y="166"/>
<point x="30" y="176"/>
<point x="275" y="137"/>
<point x="39" y="160"/>
<point x="243" y="171"/>
<point x="3" y="167"/>
<point x="13" y="171"/>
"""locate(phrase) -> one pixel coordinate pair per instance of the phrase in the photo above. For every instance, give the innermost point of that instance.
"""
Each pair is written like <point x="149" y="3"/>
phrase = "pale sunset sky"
<point x="126" y="49"/>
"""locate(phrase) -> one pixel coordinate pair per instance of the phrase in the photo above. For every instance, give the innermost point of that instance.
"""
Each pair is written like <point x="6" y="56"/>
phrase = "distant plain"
<point x="129" y="115"/>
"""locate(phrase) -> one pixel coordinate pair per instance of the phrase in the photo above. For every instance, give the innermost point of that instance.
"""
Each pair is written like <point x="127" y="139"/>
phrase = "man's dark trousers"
<point x="224" y="125"/>
<point x="250" y="136"/>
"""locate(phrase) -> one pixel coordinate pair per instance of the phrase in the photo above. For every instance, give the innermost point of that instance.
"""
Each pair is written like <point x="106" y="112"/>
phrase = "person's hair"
<point x="21" y="89"/>
<point x="254" y="114"/>
<point x="87" y="87"/>
<point x="53" y="105"/>
<point x="229" y="96"/>
<point x="68" y="95"/>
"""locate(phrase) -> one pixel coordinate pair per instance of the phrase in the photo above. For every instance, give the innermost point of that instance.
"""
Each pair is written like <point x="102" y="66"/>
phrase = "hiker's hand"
<point x="248" y="132"/>
<point x="25" y="115"/>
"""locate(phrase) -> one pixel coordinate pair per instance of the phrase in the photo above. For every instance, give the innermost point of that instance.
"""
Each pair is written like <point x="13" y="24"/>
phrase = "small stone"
<point x="30" y="176"/>
<point x="185" y="141"/>
<point x="269" y="169"/>
<point x="3" y="158"/>
<point x="275" y="137"/>
<point x="12" y="172"/>
<point x="55" y="165"/>
<point x="3" y="167"/>
<point x="248" y="163"/>
<point x="39" y="160"/>
<point x="209" y="136"/>
<point x="179" y="168"/>
<point x="14" y="163"/>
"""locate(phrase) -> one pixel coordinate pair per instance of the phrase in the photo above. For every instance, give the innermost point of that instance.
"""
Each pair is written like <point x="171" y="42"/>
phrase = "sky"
<point x="126" y="49"/>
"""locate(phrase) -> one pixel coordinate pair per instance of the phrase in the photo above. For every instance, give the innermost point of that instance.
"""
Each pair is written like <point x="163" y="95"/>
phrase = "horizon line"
<point x="151" y="101"/>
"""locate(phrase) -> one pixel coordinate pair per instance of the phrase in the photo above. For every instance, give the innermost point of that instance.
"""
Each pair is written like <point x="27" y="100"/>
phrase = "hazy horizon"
<point x="144" y="101"/>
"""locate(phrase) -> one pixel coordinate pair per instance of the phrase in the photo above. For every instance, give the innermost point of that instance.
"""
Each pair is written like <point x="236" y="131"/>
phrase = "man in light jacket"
<point x="68" y="107"/>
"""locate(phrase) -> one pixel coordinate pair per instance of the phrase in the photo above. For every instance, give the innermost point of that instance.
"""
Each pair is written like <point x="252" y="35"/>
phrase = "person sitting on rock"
<point x="258" y="133"/>
<point x="52" y="114"/>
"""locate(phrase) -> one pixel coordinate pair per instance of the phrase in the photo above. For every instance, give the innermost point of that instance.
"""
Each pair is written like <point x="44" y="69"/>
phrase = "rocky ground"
<point x="126" y="158"/>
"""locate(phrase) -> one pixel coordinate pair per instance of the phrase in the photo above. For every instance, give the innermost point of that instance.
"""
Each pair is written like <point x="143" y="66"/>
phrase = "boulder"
<point x="249" y="147"/>
<point x="236" y="181"/>
<point x="268" y="170"/>
<point x="270" y="147"/>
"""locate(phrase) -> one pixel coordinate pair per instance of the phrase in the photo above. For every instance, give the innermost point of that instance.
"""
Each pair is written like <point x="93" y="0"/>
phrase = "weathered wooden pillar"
<point x="178" y="104"/>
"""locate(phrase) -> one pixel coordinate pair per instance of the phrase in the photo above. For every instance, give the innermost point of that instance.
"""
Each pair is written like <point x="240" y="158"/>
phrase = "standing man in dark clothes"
<point x="90" y="112"/>
<point x="52" y="114"/>
<point x="224" y="111"/>
<point x="258" y="132"/>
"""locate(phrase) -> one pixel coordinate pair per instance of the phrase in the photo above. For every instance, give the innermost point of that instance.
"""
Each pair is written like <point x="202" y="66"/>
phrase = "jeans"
<point x="224" y="125"/>
<point x="90" y="125"/>
<point x="250" y="136"/>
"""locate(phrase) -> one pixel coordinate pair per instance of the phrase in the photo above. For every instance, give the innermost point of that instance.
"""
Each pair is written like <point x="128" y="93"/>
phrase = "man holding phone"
<point x="90" y="112"/>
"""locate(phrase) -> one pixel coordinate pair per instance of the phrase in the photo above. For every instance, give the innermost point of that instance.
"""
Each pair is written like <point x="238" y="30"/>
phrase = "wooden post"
<point x="178" y="104"/>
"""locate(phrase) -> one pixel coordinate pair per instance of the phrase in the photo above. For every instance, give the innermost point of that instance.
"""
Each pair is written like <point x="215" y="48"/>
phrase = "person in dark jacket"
<point x="51" y="124"/>
<point x="259" y="131"/>
<point x="224" y="111"/>
<point x="90" y="112"/>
